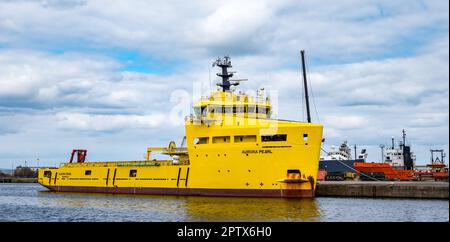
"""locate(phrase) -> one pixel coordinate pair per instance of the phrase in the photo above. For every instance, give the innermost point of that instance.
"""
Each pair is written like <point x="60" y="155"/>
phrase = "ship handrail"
<point x="175" y="151"/>
<point x="209" y="120"/>
<point x="151" y="164"/>
<point x="118" y="163"/>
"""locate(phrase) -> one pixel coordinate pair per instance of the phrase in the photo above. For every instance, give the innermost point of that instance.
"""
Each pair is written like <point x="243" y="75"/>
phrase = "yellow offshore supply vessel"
<point x="232" y="148"/>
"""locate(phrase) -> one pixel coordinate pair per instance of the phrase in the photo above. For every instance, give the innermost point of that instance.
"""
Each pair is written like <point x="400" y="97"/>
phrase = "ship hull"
<point x="277" y="193"/>
<point x="338" y="165"/>
<point x="259" y="167"/>
<point x="386" y="169"/>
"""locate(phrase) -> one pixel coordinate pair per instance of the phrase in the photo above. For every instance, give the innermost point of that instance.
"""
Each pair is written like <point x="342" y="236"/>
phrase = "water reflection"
<point x="184" y="208"/>
<point x="19" y="202"/>
<point x="251" y="209"/>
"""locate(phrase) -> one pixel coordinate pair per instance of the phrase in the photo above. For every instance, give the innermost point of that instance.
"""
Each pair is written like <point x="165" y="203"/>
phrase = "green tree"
<point x="24" y="172"/>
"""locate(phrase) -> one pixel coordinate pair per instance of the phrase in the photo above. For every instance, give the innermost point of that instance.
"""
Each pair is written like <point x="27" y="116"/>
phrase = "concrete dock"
<point x="383" y="189"/>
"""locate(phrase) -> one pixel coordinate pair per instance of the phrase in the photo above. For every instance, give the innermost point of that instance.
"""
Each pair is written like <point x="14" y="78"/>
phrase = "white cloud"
<point x="38" y="79"/>
<point x="23" y="73"/>
<point x="205" y="28"/>
<point x="346" y="121"/>
<point x="58" y="66"/>
<point x="232" y="25"/>
<point x="116" y="122"/>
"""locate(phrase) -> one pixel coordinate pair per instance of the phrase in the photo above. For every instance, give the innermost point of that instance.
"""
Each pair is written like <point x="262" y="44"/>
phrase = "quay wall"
<point x="383" y="189"/>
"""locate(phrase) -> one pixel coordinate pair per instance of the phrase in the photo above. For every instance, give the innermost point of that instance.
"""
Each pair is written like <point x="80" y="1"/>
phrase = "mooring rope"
<point x="342" y="163"/>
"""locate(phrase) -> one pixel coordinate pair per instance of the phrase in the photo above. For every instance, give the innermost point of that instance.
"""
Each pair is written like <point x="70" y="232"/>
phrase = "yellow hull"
<point x="254" y="168"/>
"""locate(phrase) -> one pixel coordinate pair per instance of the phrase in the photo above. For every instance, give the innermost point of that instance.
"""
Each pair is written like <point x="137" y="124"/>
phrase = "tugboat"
<point x="232" y="148"/>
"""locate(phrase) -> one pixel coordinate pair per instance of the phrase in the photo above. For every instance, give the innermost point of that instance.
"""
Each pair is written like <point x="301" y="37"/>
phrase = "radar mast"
<point x="226" y="83"/>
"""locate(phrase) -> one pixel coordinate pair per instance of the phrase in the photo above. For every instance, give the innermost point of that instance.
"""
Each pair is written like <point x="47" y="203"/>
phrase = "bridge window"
<point x="215" y="109"/>
<point x="212" y="109"/>
<point x="199" y="111"/>
<point x="238" y="109"/>
<point x="201" y="140"/>
<point x="221" y="139"/>
<point x="227" y="109"/>
<point x="203" y="110"/>
<point x="87" y="172"/>
<point x="261" y="109"/>
<point x="244" y="138"/>
<point x="251" y="109"/>
<point x="277" y="137"/>
<point x="133" y="173"/>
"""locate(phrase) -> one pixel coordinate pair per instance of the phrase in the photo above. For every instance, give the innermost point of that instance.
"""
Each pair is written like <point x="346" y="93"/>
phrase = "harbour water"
<point x="32" y="202"/>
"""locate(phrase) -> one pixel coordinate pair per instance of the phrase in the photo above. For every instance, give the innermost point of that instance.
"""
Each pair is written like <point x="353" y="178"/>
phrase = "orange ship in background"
<point x="382" y="171"/>
<point x="399" y="165"/>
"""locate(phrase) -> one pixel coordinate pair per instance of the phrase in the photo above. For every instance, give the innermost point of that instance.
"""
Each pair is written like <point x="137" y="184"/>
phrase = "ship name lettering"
<point x="265" y="151"/>
<point x="257" y="152"/>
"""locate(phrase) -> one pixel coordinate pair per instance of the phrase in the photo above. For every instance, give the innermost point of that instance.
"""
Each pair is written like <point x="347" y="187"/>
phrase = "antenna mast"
<point x="224" y="63"/>
<point x="404" y="137"/>
<point x="308" y="115"/>
<point x="382" y="152"/>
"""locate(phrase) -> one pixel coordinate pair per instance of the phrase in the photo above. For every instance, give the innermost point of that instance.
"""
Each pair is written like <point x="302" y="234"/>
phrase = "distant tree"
<point x="4" y="174"/>
<point x="24" y="172"/>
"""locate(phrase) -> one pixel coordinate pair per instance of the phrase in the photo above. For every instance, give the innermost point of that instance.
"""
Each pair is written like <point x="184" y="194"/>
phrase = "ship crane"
<point x="437" y="170"/>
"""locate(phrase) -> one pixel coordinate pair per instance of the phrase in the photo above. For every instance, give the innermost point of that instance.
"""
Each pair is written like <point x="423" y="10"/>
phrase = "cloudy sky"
<point x="105" y="75"/>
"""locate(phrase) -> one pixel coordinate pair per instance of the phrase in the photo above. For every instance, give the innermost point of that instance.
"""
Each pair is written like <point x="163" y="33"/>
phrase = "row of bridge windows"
<point x="231" y="109"/>
<point x="244" y="138"/>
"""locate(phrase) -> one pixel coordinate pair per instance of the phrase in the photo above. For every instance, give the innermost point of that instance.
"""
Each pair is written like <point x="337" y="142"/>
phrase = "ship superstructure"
<point x="398" y="164"/>
<point x="232" y="147"/>
<point x="400" y="157"/>
<point x="338" y="163"/>
<point x="343" y="153"/>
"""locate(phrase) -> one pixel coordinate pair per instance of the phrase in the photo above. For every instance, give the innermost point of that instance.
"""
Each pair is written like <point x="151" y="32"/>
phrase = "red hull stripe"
<point x="187" y="191"/>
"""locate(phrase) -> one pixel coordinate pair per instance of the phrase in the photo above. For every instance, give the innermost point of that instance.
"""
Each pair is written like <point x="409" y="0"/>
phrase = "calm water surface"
<point x="32" y="202"/>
